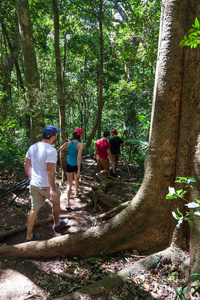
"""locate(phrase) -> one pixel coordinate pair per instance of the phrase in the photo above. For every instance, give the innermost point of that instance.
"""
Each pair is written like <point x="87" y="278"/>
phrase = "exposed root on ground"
<point x="111" y="211"/>
<point x="23" y="228"/>
<point x="100" y="194"/>
<point x="171" y="255"/>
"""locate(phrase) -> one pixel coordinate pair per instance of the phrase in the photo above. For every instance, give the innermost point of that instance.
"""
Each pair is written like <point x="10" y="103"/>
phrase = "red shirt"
<point x="102" y="147"/>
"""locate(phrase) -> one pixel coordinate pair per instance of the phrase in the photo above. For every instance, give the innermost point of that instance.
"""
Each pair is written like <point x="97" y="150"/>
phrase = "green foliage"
<point x="193" y="37"/>
<point x="180" y="293"/>
<point x="130" y="52"/>
<point x="175" y="194"/>
<point x="13" y="144"/>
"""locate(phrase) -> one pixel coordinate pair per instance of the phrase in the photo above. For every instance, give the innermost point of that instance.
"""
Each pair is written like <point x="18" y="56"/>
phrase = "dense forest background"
<point x="129" y="41"/>
<point x="92" y="64"/>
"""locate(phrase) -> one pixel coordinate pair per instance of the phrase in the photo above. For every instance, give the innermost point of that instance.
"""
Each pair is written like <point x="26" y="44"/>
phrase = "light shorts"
<point x="103" y="164"/>
<point x="40" y="194"/>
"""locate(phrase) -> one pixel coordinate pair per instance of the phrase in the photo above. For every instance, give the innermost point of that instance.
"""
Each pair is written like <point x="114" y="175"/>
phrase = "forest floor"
<point x="22" y="279"/>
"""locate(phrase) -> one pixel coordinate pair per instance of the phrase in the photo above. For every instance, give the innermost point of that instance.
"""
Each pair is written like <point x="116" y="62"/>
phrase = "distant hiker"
<point x="73" y="167"/>
<point x="102" y="151"/>
<point x="39" y="165"/>
<point x="115" y="142"/>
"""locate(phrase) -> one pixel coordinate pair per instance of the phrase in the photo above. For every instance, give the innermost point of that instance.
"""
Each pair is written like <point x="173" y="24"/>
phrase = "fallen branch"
<point x="42" y="222"/>
<point x="64" y="275"/>
<point x="23" y="228"/>
<point x="33" y="296"/>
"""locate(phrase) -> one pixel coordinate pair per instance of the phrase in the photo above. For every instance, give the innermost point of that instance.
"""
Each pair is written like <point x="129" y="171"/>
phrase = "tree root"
<point x="23" y="228"/>
<point x="100" y="194"/>
<point x="114" y="210"/>
<point x="39" y="223"/>
<point x="171" y="254"/>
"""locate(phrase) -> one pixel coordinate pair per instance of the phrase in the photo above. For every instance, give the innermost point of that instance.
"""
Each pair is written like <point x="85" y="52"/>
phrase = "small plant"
<point x="193" y="37"/>
<point x="173" y="194"/>
<point x="180" y="293"/>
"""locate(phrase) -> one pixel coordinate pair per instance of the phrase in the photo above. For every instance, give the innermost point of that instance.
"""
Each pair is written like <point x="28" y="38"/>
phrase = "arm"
<point x="51" y="180"/>
<point x="95" y="152"/>
<point x="65" y="145"/>
<point x="27" y="166"/>
<point x="109" y="155"/>
<point x="80" y="150"/>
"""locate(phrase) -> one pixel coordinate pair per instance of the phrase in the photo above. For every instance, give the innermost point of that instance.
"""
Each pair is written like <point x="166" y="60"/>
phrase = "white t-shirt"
<point x="40" y="154"/>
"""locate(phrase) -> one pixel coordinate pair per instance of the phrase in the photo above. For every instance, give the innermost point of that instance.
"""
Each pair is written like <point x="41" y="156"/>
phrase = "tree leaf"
<point x="196" y="23"/>
<point x="192" y="205"/>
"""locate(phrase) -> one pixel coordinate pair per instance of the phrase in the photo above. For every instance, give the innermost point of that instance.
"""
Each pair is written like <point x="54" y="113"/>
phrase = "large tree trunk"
<point x="195" y="231"/>
<point x="61" y="101"/>
<point x="31" y="70"/>
<point x="146" y="224"/>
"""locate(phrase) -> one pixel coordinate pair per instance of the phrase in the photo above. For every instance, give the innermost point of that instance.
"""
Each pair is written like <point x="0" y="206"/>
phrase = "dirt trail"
<point x="18" y="276"/>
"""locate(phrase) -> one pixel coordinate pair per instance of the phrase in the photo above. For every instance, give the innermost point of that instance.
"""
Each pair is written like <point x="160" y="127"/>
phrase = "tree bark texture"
<point x="31" y="70"/>
<point x="61" y="101"/>
<point x="147" y="224"/>
<point x="6" y="68"/>
<point x="195" y="231"/>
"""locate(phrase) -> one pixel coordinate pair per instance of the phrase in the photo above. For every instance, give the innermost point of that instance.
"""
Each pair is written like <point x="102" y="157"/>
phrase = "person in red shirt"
<point x="102" y="151"/>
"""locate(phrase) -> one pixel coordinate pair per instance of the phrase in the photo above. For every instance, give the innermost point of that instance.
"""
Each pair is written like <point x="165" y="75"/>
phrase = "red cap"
<point x="114" y="131"/>
<point x="78" y="131"/>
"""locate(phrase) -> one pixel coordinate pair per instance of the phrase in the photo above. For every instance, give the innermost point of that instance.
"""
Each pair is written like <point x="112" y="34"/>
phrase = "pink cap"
<point x="78" y="131"/>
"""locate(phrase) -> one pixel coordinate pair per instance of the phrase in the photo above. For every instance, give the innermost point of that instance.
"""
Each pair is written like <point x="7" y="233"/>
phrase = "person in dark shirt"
<point x="115" y="142"/>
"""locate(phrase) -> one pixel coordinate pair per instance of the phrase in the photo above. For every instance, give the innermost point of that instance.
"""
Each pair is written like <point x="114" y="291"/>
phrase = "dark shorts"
<point x="72" y="169"/>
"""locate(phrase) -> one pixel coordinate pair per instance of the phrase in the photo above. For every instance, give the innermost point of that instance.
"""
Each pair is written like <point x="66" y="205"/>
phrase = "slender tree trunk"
<point x="60" y="97"/>
<point x="31" y="70"/>
<point x="97" y="123"/>
<point x="6" y="68"/>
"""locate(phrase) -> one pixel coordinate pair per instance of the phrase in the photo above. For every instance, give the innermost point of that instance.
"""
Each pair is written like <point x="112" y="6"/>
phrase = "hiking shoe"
<point x="76" y="195"/>
<point x="99" y="176"/>
<point x="67" y="206"/>
<point x="34" y="238"/>
<point x="62" y="224"/>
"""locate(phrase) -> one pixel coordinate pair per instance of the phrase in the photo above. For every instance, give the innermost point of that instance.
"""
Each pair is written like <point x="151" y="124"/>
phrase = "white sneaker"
<point x="99" y="176"/>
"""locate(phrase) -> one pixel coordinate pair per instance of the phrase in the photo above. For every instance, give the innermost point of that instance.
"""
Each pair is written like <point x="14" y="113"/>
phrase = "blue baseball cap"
<point x="51" y="130"/>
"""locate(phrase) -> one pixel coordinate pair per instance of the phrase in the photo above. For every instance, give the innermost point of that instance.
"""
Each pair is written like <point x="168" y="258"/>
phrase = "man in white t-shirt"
<point x="39" y="165"/>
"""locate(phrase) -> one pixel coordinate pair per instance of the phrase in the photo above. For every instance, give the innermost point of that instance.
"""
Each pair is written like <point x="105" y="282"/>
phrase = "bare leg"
<point x="69" y="185"/>
<point x="30" y="222"/>
<point x="103" y="172"/>
<point x="56" y="213"/>
<point x="76" y="183"/>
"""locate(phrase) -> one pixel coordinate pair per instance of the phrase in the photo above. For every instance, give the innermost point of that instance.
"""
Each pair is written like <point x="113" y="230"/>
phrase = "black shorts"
<point x="72" y="169"/>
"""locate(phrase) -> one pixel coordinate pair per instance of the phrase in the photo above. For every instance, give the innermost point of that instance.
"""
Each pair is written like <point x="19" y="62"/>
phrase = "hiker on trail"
<point x="39" y="165"/>
<point x="115" y="142"/>
<point x="102" y="152"/>
<point x="73" y="167"/>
